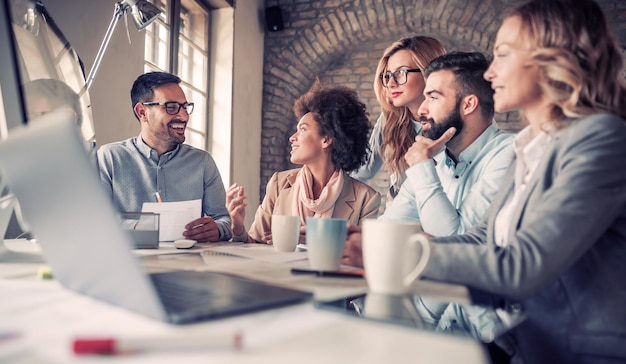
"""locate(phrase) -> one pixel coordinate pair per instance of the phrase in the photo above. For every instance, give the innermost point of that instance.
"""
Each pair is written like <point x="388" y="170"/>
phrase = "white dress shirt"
<point x="528" y="150"/>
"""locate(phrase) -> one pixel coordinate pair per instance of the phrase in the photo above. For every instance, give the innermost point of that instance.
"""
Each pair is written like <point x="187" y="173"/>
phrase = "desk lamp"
<point x="143" y="14"/>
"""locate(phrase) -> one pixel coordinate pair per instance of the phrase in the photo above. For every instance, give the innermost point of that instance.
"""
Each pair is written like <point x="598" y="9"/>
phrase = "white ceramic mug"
<point x="394" y="254"/>
<point x="285" y="232"/>
<point x="325" y="240"/>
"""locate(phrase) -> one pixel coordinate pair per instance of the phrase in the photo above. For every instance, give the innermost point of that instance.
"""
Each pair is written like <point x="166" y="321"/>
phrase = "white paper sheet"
<point x="174" y="216"/>
<point x="259" y="252"/>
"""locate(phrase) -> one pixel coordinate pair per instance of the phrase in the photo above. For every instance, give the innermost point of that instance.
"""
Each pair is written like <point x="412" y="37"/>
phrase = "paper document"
<point x="174" y="216"/>
<point x="262" y="252"/>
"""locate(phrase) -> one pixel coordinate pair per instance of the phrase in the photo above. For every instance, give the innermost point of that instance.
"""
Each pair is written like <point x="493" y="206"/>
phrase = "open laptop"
<point x="50" y="171"/>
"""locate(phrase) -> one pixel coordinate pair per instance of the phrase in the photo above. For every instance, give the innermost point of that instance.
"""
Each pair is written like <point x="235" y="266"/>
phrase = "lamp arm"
<point x="120" y="9"/>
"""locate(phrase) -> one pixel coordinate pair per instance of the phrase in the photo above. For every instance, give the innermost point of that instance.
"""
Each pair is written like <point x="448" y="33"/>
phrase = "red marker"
<point x="117" y="346"/>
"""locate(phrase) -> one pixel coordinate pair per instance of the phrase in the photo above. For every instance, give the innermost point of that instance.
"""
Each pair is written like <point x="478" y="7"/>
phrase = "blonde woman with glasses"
<point x="399" y="84"/>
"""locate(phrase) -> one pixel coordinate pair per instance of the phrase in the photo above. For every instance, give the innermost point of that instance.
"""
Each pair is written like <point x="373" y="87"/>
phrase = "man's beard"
<point x="452" y="120"/>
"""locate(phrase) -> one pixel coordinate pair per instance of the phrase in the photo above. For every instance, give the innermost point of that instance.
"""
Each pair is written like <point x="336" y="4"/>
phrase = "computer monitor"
<point x="40" y="72"/>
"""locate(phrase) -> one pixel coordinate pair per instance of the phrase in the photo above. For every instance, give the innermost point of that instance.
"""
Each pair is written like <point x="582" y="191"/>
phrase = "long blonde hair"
<point x="577" y="55"/>
<point x="398" y="132"/>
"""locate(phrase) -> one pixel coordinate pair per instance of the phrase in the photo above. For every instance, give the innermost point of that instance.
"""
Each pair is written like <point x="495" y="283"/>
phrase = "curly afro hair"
<point x="343" y="118"/>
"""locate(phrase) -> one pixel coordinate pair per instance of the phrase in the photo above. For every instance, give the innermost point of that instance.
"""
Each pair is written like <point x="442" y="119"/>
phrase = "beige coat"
<point x="356" y="202"/>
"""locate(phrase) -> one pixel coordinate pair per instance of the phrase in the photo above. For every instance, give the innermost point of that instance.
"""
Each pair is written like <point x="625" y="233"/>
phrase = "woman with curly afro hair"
<point x="331" y="140"/>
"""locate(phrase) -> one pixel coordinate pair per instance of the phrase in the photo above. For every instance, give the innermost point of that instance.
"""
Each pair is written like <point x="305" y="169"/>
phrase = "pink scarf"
<point x="324" y="206"/>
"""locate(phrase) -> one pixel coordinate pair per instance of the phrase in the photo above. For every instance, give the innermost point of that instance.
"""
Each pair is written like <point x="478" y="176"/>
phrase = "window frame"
<point x="172" y="24"/>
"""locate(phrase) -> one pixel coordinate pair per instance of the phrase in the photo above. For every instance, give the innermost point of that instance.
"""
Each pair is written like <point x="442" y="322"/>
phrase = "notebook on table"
<point x="49" y="170"/>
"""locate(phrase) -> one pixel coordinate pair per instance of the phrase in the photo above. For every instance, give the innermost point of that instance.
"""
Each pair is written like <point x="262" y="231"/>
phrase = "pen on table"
<point x="356" y="273"/>
<point x="198" y="225"/>
<point x="158" y="196"/>
<point x="110" y="346"/>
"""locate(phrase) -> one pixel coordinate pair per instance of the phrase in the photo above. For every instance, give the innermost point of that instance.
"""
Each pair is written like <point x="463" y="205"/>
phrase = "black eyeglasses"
<point x="399" y="76"/>
<point x="172" y="107"/>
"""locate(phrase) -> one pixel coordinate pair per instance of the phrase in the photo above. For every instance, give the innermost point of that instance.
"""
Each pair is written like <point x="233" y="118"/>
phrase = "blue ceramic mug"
<point x="325" y="240"/>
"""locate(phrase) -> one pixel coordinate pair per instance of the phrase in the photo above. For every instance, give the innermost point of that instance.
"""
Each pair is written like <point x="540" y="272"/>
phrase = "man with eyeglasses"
<point x="156" y="166"/>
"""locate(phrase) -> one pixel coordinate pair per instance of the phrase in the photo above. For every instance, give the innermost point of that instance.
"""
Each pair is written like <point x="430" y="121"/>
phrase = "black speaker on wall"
<point x="274" y="18"/>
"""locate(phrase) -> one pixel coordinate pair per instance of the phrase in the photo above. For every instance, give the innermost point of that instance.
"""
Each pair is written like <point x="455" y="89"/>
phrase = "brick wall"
<point x="341" y="41"/>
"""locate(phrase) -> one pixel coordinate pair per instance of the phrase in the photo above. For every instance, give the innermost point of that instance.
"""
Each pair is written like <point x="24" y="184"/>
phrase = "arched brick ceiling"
<point x="314" y="43"/>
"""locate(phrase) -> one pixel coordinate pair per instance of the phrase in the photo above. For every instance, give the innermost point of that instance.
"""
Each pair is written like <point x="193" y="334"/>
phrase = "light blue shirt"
<point x="375" y="160"/>
<point x="448" y="198"/>
<point x="132" y="172"/>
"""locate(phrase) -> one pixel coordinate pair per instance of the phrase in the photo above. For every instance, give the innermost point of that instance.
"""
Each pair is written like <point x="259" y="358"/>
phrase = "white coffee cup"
<point x="285" y="232"/>
<point x="394" y="254"/>
<point x="325" y="240"/>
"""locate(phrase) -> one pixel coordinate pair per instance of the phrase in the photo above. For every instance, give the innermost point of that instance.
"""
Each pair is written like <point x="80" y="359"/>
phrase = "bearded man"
<point x="457" y="164"/>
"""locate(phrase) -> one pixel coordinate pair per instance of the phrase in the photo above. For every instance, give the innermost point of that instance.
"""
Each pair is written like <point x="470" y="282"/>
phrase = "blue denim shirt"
<point x="448" y="198"/>
<point x="132" y="172"/>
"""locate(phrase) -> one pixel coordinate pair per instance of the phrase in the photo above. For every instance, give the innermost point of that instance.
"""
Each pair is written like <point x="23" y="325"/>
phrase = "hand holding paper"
<point x="203" y="229"/>
<point x="174" y="216"/>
